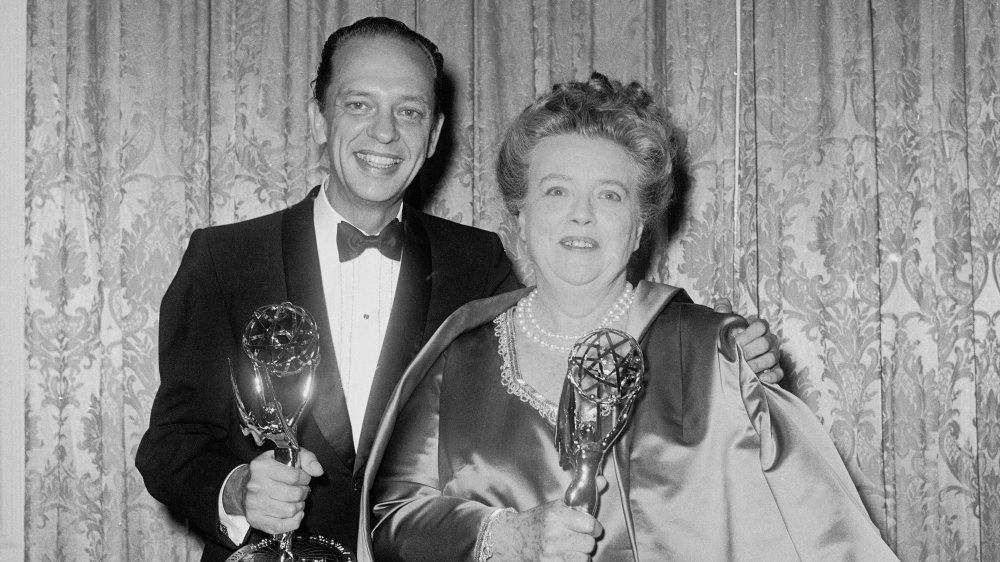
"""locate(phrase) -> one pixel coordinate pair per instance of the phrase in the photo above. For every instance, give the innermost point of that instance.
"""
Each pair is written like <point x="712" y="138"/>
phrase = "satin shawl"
<point x="715" y="465"/>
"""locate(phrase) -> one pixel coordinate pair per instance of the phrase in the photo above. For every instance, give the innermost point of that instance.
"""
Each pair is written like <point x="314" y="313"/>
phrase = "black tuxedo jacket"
<point x="194" y="438"/>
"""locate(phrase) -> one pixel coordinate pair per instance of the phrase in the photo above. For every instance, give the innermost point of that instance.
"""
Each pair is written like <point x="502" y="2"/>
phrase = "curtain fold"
<point x="841" y="179"/>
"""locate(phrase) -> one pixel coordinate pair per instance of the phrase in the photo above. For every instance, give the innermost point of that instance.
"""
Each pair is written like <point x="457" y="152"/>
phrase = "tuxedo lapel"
<point x="407" y="322"/>
<point x="304" y="281"/>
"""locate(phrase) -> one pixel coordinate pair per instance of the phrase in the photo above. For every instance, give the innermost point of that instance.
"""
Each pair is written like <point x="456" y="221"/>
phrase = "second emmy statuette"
<point x="603" y="380"/>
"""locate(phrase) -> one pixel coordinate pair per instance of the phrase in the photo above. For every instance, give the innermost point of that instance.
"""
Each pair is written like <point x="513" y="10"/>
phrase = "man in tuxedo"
<point x="378" y="276"/>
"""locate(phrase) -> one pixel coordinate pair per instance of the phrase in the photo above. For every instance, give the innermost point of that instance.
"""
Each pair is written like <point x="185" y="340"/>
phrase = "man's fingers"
<point x="763" y="363"/>
<point x="265" y="467"/>
<point x="723" y="305"/>
<point x="309" y="463"/>
<point x="263" y="506"/>
<point x="772" y="375"/>
<point x="275" y="525"/>
<point x="754" y="330"/>
<point x="283" y="493"/>
<point x="761" y="350"/>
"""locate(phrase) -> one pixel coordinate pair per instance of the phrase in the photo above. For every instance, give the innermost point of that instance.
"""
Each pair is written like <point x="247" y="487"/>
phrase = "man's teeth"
<point x="378" y="161"/>
<point x="578" y="244"/>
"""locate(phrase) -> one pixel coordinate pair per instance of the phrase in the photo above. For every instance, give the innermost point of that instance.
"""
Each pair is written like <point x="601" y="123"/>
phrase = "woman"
<point x="715" y="465"/>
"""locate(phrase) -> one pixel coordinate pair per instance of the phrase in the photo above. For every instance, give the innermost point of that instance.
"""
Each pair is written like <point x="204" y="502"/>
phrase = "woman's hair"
<point x="598" y="108"/>
<point x="375" y="27"/>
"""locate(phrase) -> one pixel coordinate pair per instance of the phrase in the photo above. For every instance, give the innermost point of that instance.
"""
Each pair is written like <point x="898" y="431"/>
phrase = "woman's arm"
<point x="412" y="519"/>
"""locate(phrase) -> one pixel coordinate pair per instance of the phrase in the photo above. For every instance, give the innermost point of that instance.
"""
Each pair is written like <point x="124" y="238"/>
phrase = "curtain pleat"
<point x="841" y="177"/>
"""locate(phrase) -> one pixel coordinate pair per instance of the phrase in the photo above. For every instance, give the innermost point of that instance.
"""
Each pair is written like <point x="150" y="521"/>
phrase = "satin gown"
<point x="715" y="465"/>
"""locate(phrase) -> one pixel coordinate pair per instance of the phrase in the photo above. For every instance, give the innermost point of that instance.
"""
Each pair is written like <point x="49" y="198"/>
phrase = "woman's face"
<point x="580" y="218"/>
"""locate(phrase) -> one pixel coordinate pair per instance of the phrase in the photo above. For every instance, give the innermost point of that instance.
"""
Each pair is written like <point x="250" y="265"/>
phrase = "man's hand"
<point x="269" y="494"/>
<point x="760" y="346"/>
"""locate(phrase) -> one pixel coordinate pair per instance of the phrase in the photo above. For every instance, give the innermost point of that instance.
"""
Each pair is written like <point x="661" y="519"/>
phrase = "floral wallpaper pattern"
<point x="842" y="172"/>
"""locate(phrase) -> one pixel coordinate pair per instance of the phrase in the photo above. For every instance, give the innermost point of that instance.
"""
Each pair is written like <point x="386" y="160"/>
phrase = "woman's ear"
<point x="638" y="237"/>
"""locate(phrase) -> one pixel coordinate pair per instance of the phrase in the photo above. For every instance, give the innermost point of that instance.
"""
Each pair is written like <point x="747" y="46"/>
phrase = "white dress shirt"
<point x="359" y="295"/>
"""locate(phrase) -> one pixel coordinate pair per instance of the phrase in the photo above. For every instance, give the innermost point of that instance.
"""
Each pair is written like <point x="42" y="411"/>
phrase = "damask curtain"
<point x="841" y="179"/>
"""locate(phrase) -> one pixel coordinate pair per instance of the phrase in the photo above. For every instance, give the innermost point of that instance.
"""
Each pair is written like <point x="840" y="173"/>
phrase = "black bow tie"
<point x="351" y="241"/>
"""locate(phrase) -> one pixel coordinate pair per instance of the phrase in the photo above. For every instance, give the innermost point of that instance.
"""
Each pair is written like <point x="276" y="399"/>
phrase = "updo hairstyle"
<point x="598" y="108"/>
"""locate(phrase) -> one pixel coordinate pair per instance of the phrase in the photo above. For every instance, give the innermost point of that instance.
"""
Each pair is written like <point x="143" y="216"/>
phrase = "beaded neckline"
<point x="510" y="375"/>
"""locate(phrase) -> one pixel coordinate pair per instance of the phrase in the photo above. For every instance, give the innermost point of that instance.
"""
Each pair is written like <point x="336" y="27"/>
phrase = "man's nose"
<point x="383" y="127"/>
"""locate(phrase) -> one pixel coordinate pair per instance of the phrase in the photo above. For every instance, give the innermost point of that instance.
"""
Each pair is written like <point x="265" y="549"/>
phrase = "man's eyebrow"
<point x="419" y="98"/>
<point x="348" y="93"/>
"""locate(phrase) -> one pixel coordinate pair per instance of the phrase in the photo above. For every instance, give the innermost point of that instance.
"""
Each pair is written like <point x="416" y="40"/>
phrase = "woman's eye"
<point x="611" y="196"/>
<point x="557" y="191"/>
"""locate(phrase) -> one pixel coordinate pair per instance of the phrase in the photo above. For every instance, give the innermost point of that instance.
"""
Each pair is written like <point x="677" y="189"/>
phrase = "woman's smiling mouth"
<point x="578" y="243"/>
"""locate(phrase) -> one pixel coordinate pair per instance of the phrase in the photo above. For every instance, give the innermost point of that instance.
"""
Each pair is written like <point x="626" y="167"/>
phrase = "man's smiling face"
<point x="380" y="123"/>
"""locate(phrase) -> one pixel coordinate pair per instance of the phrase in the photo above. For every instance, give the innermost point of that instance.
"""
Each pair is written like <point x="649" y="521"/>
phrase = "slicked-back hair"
<point x="376" y="26"/>
<point x="597" y="108"/>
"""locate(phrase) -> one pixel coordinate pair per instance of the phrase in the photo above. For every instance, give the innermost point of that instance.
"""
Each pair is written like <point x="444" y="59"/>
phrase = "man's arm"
<point x="183" y="457"/>
<point x="760" y="346"/>
<point x="502" y="277"/>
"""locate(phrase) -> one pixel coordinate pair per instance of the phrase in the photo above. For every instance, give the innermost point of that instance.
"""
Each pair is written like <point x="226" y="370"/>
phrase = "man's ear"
<point x="435" y="134"/>
<point x="317" y="122"/>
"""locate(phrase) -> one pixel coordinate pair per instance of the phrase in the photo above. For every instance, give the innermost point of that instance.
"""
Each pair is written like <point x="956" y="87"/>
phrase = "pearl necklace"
<point x="529" y="325"/>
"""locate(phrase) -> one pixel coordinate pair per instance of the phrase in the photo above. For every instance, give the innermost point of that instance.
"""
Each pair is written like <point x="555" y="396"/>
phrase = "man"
<point x="375" y="109"/>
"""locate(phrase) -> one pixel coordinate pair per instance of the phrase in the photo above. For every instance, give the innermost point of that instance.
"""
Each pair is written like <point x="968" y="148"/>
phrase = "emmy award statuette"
<point x="603" y="380"/>
<point x="282" y="342"/>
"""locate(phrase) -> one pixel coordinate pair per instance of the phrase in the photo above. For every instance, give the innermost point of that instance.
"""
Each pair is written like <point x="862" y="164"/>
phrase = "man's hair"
<point x="375" y="27"/>
<point x="597" y="108"/>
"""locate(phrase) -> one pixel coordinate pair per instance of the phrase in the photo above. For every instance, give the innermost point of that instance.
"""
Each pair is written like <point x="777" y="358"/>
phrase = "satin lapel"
<point x="471" y="315"/>
<point x="649" y="301"/>
<point x="305" y="288"/>
<point x="407" y="322"/>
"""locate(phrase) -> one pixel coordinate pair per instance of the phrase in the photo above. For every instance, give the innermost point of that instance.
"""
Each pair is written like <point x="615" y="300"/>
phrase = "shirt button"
<point x="365" y="316"/>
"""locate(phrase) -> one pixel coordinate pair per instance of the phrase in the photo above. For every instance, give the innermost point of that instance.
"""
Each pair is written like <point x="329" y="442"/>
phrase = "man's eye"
<point x="412" y="114"/>
<point x="357" y="105"/>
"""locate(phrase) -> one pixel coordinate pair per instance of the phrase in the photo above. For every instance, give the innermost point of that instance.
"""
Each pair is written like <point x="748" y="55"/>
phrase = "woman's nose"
<point x="383" y="127"/>
<point x="582" y="210"/>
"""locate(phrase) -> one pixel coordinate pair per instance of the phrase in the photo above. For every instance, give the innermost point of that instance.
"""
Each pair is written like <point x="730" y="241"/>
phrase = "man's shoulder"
<point x="442" y="226"/>
<point x="453" y="238"/>
<point x="264" y="227"/>
<point x="246" y="227"/>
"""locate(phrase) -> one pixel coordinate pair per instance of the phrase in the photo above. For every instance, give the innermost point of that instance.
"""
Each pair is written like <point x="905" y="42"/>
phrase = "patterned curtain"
<point x="841" y="180"/>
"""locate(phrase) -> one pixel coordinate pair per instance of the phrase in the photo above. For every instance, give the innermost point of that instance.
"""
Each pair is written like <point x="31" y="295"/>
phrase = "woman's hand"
<point x="550" y="531"/>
